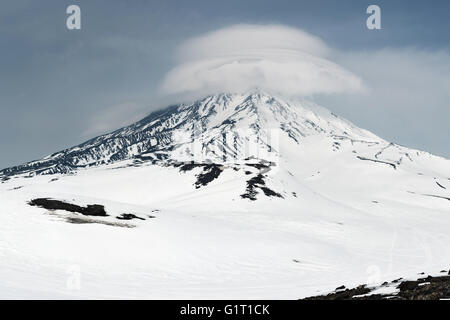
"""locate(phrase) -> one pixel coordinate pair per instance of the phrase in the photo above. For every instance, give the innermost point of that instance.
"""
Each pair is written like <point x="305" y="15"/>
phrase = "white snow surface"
<point x="355" y="210"/>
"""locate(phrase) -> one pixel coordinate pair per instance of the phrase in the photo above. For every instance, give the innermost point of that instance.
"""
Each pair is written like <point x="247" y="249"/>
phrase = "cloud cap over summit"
<point x="274" y="58"/>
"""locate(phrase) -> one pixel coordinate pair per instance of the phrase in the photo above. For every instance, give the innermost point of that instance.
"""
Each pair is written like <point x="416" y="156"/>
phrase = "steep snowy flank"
<point x="223" y="128"/>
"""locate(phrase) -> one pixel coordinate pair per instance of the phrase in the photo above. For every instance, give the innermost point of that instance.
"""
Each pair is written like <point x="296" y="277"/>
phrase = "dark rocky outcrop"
<point x="128" y="216"/>
<point x="210" y="172"/>
<point x="255" y="183"/>
<point x="429" y="288"/>
<point x="51" y="204"/>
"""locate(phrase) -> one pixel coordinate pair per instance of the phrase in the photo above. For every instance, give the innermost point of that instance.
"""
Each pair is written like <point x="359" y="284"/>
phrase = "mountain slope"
<point x="233" y="196"/>
<point x="217" y="128"/>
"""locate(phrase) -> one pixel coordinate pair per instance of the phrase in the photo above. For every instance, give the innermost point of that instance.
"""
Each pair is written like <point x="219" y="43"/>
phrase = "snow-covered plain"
<point x="355" y="209"/>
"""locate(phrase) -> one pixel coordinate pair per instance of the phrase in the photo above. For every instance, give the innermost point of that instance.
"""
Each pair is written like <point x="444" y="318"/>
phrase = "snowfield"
<point x="333" y="205"/>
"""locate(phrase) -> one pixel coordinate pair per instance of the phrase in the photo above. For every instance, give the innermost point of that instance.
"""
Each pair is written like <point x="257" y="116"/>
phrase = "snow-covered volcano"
<point x="226" y="128"/>
<point x="232" y="196"/>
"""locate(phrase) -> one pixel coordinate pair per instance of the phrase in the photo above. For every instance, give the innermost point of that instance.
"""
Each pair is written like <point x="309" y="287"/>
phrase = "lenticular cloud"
<point x="273" y="58"/>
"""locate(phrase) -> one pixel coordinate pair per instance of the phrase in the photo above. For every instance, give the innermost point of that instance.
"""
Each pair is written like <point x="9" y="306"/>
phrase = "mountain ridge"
<point x="153" y="138"/>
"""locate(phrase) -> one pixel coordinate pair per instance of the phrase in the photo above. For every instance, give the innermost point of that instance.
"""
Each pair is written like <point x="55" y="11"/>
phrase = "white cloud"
<point x="114" y="117"/>
<point x="408" y="100"/>
<point x="402" y="78"/>
<point x="274" y="58"/>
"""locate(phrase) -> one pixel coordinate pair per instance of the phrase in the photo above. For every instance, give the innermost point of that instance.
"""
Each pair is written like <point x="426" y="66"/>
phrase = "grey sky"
<point x="60" y="87"/>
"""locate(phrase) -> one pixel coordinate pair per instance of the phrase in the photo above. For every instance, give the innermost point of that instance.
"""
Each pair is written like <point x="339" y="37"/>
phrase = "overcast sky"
<point x="60" y="87"/>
